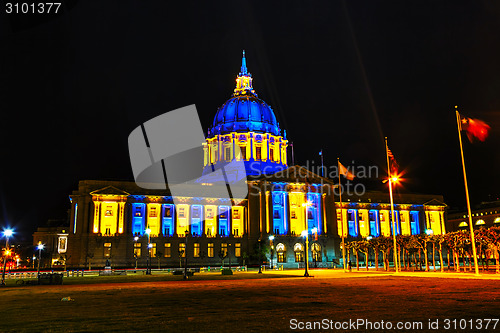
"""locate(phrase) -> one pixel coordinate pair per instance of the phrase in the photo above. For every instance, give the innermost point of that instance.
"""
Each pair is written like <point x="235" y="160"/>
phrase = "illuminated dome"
<point x="245" y="129"/>
<point x="244" y="111"/>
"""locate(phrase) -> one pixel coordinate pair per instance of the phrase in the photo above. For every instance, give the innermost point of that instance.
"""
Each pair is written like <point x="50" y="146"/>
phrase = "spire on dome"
<point x="244" y="80"/>
<point x="243" y="70"/>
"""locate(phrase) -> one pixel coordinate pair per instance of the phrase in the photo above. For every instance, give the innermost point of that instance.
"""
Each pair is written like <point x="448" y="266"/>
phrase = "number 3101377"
<point x="32" y="8"/>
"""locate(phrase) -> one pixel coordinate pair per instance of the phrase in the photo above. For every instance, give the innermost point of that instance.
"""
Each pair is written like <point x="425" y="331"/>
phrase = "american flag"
<point x="394" y="166"/>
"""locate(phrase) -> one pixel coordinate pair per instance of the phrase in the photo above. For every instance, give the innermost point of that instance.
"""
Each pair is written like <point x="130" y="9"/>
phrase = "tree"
<point x="440" y="239"/>
<point x="385" y="246"/>
<point x="158" y="255"/>
<point x="180" y="253"/>
<point x="421" y="242"/>
<point x="374" y="243"/>
<point x="364" y="246"/>
<point x="222" y="255"/>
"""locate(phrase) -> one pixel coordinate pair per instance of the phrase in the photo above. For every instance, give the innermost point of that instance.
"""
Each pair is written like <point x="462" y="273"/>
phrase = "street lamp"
<point x="148" y="258"/>
<point x="7" y="233"/>
<point x="315" y="232"/>
<point x="185" y="277"/>
<point x="305" y="234"/>
<point x="260" y="256"/>
<point x="271" y="238"/>
<point x="135" y="254"/>
<point x="40" y="247"/>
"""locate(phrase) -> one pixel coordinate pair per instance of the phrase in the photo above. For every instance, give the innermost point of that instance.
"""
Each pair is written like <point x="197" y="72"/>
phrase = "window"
<point x="210" y="250"/>
<point x="109" y="211"/>
<point x="228" y="154"/>
<point x="258" y="153"/>
<point x="137" y="212"/>
<point x="137" y="250"/>
<point x="152" y="212"/>
<point x="107" y="250"/>
<point x="182" y="213"/>
<point x="182" y="250"/>
<point x="271" y="154"/>
<point x="61" y="246"/>
<point x="243" y="150"/>
<point x="168" y="248"/>
<point x="281" y="252"/>
<point x="196" y="252"/>
<point x="237" y="250"/>
<point x="316" y="251"/>
<point x="299" y="252"/>
<point x="153" y="249"/>
<point x="168" y="211"/>
<point x="223" y="248"/>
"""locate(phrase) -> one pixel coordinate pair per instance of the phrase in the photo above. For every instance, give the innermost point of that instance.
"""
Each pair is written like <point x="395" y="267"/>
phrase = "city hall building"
<point x="120" y="222"/>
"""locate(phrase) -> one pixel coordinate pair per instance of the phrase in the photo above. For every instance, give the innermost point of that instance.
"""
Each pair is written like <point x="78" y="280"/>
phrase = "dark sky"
<point x="339" y="75"/>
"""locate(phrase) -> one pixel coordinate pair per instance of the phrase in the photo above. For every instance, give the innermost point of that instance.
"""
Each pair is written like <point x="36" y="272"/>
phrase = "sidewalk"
<point x="339" y="273"/>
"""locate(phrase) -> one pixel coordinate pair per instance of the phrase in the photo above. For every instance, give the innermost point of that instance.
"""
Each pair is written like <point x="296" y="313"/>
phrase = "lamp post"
<point x="315" y="232"/>
<point x="260" y="262"/>
<point x="271" y="239"/>
<point x="135" y="254"/>
<point x="7" y="233"/>
<point x="148" y="258"/>
<point x="305" y="234"/>
<point x="40" y="247"/>
<point x="185" y="277"/>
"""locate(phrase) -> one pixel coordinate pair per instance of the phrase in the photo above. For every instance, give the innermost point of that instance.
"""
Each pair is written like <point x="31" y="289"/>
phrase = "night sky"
<point x="339" y="75"/>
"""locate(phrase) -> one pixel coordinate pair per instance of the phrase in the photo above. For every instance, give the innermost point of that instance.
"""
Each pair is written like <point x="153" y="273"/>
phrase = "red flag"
<point x="392" y="162"/>
<point x="344" y="171"/>
<point x="474" y="128"/>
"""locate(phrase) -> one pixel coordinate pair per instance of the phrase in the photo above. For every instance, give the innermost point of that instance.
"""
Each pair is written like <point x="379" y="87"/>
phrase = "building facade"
<point x="124" y="224"/>
<point x="486" y="215"/>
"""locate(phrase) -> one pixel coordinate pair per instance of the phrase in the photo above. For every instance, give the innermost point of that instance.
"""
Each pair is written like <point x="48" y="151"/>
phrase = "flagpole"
<point x="322" y="168"/>
<point x="396" y="265"/>
<point x="473" y="242"/>
<point x="341" y="215"/>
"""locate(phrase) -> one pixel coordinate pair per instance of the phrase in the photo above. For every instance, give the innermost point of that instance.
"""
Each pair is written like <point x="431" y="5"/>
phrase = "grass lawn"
<point x="243" y="302"/>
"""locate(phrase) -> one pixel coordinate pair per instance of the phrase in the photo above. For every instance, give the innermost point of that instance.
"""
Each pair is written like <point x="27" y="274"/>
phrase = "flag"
<point x="474" y="128"/>
<point x="394" y="166"/>
<point x="344" y="171"/>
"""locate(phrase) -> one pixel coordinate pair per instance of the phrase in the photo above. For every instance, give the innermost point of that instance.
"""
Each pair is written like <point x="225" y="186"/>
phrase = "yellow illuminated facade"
<point x="109" y="218"/>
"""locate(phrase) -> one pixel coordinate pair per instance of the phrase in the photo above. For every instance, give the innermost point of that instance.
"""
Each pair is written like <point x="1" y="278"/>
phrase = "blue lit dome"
<point x="244" y="132"/>
<point x="245" y="113"/>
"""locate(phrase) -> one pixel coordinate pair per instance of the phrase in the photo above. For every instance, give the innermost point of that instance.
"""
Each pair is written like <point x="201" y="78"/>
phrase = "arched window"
<point x="316" y="251"/>
<point x="281" y="252"/>
<point x="298" y="249"/>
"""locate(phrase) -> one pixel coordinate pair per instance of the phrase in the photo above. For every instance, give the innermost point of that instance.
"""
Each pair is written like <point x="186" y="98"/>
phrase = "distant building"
<point x="486" y="215"/>
<point x="109" y="219"/>
<point x="54" y="237"/>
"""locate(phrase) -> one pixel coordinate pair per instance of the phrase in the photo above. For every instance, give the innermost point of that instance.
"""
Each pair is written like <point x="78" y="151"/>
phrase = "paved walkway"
<point x="339" y="273"/>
